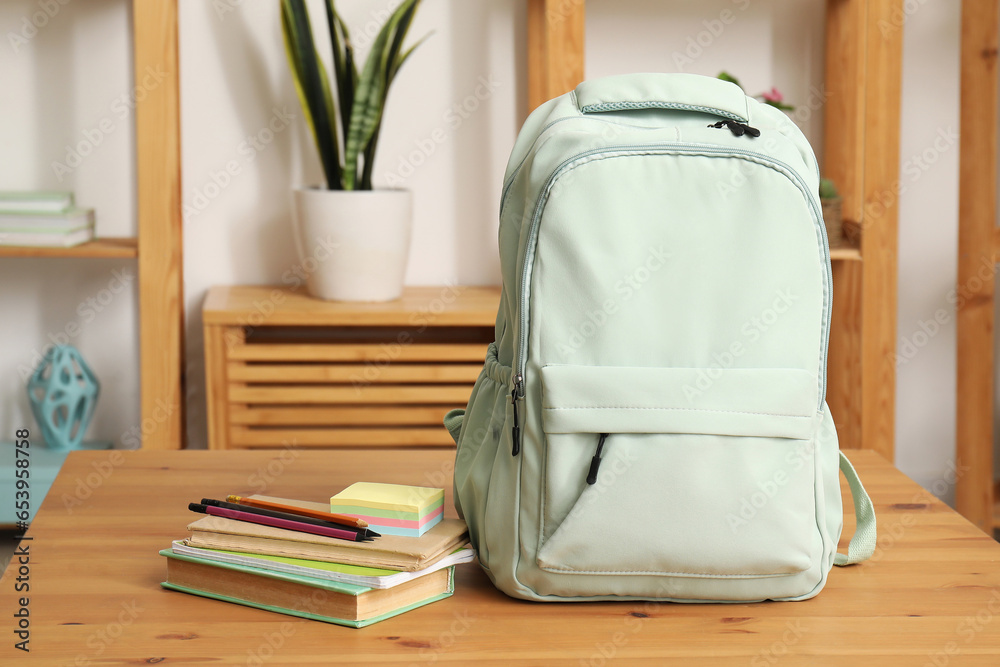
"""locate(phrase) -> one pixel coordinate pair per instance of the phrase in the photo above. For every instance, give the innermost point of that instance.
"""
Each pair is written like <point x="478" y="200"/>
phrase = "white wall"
<point x="928" y="246"/>
<point x="235" y="82"/>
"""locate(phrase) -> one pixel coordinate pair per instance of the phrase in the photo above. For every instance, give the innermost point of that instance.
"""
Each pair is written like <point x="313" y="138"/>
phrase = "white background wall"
<point x="66" y="78"/>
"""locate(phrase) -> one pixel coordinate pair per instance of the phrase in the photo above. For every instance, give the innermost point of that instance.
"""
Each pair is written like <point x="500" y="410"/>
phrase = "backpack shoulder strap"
<point x="862" y="544"/>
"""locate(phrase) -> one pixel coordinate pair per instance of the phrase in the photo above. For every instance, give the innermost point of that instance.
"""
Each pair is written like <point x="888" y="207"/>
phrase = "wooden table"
<point x="929" y="597"/>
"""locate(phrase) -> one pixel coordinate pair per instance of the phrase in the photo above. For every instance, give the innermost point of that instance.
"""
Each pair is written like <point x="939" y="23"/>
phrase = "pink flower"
<point x="773" y="95"/>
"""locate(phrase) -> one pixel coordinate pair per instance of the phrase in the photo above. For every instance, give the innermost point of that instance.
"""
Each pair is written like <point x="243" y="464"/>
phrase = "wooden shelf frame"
<point x="160" y="246"/>
<point x="110" y="247"/>
<point x="975" y="496"/>
<point x="863" y="83"/>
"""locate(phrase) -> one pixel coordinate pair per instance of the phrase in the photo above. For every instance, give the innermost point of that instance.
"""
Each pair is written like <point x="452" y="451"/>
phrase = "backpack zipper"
<point x="595" y="462"/>
<point x="515" y="393"/>
<point x="738" y="129"/>
<point x="665" y="148"/>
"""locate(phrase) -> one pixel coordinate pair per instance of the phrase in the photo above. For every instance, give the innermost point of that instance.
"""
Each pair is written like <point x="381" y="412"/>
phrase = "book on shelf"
<point x="390" y="552"/>
<point x="303" y="596"/>
<point x="46" y="238"/>
<point x="68" y="220"/>
<point x="41" y="201"/>
<point x="359" y="575"/>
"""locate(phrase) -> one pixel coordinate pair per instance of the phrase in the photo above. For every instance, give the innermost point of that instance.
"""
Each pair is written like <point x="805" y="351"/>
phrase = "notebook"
<point x="358" y="575"/>
<point x="390" y="552"/>
<point x="306" y="597"/>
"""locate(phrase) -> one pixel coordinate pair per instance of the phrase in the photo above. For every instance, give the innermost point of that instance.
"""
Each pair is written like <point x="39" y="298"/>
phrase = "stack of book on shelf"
<point x="48" y="219"/>
<point x="298" y="558"/>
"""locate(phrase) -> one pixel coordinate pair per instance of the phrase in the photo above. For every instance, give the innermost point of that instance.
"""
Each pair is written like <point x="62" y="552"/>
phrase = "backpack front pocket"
<point x="678" y="471"/>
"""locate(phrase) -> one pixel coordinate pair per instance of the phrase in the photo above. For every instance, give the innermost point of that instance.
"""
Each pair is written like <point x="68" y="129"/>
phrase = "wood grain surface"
<point x="929" y="597"/>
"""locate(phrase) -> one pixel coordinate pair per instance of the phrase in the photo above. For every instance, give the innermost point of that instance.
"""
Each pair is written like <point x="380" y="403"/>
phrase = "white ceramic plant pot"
<point x="353" y="245"/>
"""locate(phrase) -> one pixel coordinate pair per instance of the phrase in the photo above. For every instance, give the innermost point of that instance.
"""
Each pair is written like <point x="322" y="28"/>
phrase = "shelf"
<point x="108" y="247"/>
<point x="845" y="251"/>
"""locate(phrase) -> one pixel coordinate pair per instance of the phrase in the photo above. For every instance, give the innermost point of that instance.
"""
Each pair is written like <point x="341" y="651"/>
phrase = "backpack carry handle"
<point x="680" y="92"/>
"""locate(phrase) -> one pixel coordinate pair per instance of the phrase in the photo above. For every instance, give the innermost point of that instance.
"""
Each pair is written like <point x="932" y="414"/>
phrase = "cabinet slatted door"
<point x="285" y="370"/>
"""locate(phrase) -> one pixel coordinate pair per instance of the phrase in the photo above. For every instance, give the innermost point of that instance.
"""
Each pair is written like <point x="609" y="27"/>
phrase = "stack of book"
<point x="352" y="582"/>
<point x="47" y="219"/>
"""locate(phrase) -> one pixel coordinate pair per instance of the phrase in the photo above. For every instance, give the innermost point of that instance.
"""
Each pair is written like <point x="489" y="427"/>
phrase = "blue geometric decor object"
<point x="63" y="395"/>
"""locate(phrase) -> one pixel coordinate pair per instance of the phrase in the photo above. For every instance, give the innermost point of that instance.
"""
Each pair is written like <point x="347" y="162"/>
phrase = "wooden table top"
<point x="438" y="306"/>
<point x="929" y="597"/>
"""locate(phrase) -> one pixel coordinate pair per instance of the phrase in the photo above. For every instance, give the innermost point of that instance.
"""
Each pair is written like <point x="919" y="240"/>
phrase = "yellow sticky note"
<point x="392" y="497"/>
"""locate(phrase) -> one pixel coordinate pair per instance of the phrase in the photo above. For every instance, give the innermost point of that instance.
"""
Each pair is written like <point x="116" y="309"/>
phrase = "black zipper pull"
<point x="515" y="431"/>
<point x="595" y="462"/>
<point x="739" y="129"/>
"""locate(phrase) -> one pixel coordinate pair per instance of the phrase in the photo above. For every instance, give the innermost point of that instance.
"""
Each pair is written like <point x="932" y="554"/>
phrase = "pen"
<point x="291" y="509"/>
<point x="343" y="534"/>
<point x="286" y="515"/>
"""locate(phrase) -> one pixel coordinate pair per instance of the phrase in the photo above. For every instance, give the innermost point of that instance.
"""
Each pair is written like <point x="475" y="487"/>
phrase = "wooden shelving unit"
<point x="158" y="246"/>
<point x="107" y="247"/>
<point x="863" y="78"/>
<point x="845" y="252"/>
<point x="976" y="494"/>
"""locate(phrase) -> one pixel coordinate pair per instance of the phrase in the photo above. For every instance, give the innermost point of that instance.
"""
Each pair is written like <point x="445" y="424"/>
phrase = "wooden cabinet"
<point x="287" y="370"/>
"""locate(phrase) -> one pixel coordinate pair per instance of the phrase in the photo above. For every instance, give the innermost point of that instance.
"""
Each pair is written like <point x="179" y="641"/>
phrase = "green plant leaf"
<point x="402" y="27"/>
<point x="371" y="93"/>
<point x="402" y="58"/>
<point x="726" y="76"/>
<point x="345" y="70"/>
<point x="312" y="86"/>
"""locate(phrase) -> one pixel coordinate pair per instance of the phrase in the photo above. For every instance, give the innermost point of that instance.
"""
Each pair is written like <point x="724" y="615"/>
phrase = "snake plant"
<point x="356" y="119"/>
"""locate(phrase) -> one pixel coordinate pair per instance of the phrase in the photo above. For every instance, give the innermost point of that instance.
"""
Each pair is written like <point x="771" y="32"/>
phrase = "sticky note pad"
<point x="391" y="509"/>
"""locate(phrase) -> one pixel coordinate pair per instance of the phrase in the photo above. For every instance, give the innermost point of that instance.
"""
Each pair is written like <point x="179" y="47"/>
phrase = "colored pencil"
<point x="342" y="534"/>
<point x="291" y="509"/>
<point x="286" y="515"/>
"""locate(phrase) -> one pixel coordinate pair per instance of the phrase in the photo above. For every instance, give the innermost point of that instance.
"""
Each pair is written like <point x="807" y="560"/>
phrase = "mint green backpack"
<point x="651" y="420"/>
